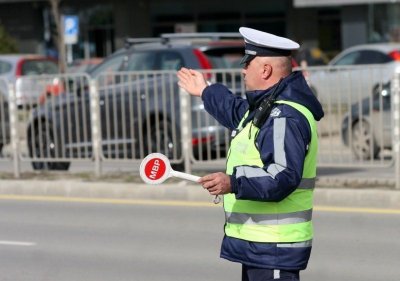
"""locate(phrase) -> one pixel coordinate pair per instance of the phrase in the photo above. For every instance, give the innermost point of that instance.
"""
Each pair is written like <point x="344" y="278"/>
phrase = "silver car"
<point x="18" y="68"/>
<point x="355" y="88"/>
<point x="355" y="72"/>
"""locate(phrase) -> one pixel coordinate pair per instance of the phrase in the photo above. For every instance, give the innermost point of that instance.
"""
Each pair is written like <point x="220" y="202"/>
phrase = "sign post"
<point x="71" y="32"/>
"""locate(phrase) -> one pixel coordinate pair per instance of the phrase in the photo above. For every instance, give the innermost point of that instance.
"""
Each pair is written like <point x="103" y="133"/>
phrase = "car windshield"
<point x="110" y="65"/>
<point x="160" y="60"/>
<point x="225" y="57"/>
<point x="36" y="67"/>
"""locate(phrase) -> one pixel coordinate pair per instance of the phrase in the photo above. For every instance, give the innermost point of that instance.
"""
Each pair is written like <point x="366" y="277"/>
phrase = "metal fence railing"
<point x="356" y="129"/>
<point x="123" y="116"/>
<point x="5" y="134"/>
<point x="54" y="127"/>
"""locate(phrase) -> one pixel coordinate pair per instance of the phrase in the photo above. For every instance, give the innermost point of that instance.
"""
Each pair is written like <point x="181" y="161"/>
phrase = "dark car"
<point x="139" y="105"/>
<point x="367" y="126"/>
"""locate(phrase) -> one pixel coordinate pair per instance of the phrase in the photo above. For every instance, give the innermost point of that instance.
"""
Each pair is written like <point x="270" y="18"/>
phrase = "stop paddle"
<point x="155" y="169"/>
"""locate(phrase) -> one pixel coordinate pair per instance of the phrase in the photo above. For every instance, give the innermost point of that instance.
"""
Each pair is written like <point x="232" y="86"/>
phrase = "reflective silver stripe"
<point x="279" y="148"/>
<point x="250" y="172"/>
<point x="279" y="141"/>
<point x="295" y="245"/>
<point x="275" y="169"/>
<point x="250" y="52"/>
<point x="279" y="155"/>
<point x="277" y="274"/>
<point x="269" y="219"/>
<point x="307" y="183"/>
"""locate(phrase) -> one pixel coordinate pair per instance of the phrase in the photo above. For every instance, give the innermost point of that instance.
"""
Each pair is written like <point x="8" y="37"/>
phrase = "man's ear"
<point x="267" y="71"/>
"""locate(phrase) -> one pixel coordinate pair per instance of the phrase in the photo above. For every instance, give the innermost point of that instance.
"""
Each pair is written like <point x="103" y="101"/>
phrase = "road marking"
<point x="17" y="243"/>
<point x="109" y="201"/>
<point x="356" y="210"/>
<point x="177" y="203"/>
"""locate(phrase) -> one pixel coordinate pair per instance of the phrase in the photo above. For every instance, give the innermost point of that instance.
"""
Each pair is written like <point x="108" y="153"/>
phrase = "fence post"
<point x="186" y="136"/>
<point x="12" y="108"/>
<point x="95" y="125"/>
<point x="395" y="92"/>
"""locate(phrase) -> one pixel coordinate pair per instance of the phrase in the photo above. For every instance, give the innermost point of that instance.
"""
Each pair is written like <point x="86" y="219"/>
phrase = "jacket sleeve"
<point x="282" y="143"/>
<point x="227" y="108"/>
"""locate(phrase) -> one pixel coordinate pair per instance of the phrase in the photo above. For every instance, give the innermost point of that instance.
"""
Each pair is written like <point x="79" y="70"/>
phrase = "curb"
<point x="81" y="189"/>
<point x="184" y="191"/>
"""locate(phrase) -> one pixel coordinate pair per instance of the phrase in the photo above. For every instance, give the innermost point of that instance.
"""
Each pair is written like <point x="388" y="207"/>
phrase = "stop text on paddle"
<point x="155" y="169"/>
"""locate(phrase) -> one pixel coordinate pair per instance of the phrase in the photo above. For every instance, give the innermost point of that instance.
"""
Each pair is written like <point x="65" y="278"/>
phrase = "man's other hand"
<point x="191" y="81"/>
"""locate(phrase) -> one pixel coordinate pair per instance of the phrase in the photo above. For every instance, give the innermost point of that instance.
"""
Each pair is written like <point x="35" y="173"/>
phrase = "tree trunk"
<point x="55" y="8"/>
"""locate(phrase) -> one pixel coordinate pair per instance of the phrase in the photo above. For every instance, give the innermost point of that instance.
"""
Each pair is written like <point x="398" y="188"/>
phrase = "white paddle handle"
<point x="184" y="176"/>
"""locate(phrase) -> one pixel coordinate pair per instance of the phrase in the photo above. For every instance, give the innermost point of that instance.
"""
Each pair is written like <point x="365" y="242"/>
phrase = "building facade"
<point x="331" y="25"/>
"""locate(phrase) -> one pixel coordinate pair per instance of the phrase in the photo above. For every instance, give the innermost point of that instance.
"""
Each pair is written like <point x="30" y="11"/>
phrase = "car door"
<point x="108" y="77"/>
<point x="343" y="79"/>
<point x="151" y="101"/>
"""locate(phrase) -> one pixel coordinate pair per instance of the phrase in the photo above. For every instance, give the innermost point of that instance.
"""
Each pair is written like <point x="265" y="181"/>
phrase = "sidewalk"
<point x="371" y="197"/>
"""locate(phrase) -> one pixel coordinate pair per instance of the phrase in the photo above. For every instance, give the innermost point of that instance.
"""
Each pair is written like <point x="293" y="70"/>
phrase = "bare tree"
<point x="55" y="8"/>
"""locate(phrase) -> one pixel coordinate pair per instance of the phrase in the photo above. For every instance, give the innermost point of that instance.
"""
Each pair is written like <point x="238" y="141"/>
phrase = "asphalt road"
<point x="86" y="241"/>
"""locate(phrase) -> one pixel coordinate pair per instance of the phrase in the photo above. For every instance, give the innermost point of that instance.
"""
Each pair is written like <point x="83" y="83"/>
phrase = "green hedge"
<point x="7" y="43"/>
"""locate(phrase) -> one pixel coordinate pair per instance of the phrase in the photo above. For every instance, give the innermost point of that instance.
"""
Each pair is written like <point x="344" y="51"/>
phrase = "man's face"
<point x="252" y="74"/>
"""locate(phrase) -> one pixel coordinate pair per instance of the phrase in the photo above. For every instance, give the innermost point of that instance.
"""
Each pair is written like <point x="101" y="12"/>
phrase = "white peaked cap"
<point x="263" y="44"/>
<point x="267" y="40"/>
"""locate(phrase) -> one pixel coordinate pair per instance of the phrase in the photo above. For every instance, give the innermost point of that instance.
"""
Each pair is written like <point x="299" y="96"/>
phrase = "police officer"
<point x="271" y="164"/>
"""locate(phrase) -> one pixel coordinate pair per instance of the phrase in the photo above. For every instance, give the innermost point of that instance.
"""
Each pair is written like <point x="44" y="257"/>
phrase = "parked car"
<point x="83" y="65"/>
<point x="22" y="66"/>
<point x="140" y="111"/>
<point x="349" y="67"/>
<point x="367" y="126"/>
<point x="55" y="85"/>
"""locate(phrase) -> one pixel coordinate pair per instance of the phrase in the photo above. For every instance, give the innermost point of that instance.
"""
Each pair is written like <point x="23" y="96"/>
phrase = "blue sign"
<point x="71" y="29"/>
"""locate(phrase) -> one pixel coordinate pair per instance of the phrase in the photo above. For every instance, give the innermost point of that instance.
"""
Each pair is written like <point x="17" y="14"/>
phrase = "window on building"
<point x="384" y="22"/>
<point x="329" y="33"/>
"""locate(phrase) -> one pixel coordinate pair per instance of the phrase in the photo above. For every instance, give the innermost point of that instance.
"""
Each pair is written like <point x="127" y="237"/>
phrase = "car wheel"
<point x="161" y="140"/>
<point x="363" y="145"/>
<point x="43" y="146"/>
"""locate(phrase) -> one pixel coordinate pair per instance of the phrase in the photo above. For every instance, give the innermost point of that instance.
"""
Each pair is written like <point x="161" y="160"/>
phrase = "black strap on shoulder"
<point x="264" y="109"/>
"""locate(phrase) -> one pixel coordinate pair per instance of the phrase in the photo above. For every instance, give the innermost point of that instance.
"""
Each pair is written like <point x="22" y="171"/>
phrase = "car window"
<point x="163" y="60"/>
<point x="372" y="57"/>
<point x="109" y="65"/>
<point x="37" y="67"/>
<point x="226" y="57"/>
<point x="140" y="61"/>
<point x="363" y="57"/>
<point x="349" y="59"/>
<point x="5" y="67"/>
<point x="170" y="61"/>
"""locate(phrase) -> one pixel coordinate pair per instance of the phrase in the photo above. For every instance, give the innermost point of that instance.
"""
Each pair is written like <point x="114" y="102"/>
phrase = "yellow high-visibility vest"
<point x="289" y="220"/>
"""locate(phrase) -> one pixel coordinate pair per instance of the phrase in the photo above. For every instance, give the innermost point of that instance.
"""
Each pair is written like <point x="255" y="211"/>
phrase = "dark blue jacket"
<point x="229" y="109"/>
